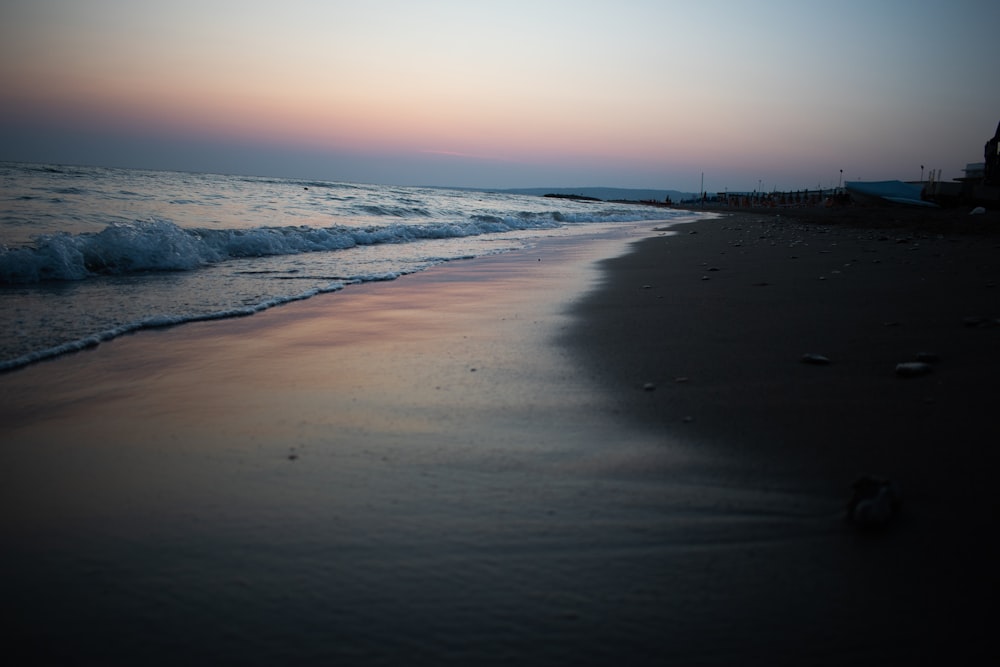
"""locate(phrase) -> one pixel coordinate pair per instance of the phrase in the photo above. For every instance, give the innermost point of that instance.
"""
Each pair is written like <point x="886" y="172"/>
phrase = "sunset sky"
<point x="631" y="93"/>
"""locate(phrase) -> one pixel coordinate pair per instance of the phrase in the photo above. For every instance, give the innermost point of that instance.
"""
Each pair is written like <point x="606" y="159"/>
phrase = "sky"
<point x="772" y="94"/>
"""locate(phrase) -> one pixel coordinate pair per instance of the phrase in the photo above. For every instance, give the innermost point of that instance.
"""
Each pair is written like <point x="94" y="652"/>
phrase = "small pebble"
<point x="816" y="359"/>
<point x="911" y="369"/>
<point x="874" y="502"/>
<point x="649" y="386"/>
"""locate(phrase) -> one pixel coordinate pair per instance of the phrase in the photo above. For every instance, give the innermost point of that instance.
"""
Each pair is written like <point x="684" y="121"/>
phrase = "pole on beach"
<point x="703" y="189"/>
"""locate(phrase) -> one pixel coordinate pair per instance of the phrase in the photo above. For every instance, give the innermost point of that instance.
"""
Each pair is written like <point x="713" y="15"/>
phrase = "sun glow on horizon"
<point x="653" y="84"/>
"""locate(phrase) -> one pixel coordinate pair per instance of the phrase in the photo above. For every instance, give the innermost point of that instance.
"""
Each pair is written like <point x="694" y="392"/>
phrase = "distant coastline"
<point x="556" y="195"/>
<point x="605" y="194"/>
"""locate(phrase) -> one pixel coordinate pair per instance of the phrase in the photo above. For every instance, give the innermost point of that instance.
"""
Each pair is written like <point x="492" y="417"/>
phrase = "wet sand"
<point x="467" y="466"/>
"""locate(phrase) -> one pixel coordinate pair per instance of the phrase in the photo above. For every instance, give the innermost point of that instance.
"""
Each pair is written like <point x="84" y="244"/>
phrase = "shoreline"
<point x="466" y="465"/>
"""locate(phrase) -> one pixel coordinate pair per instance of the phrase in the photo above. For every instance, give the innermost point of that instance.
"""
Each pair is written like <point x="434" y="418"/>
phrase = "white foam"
<point x="88" y="254"/>
<point x="162" y="321"/>
<point x="160" y="245"/>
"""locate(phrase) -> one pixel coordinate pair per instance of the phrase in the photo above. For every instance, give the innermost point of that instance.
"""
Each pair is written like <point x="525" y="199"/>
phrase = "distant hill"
<point x="607" y="194"/>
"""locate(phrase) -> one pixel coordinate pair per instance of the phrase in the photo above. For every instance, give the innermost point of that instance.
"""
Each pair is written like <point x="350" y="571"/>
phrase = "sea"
<point x="88" y="254"/>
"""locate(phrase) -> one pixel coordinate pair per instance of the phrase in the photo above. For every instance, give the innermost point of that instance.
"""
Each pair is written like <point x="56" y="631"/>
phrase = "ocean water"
<point x="88" y="254"/>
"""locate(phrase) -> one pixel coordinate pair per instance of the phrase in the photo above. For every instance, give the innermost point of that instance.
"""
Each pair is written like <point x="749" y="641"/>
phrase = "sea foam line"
<point x="164" y="321"/>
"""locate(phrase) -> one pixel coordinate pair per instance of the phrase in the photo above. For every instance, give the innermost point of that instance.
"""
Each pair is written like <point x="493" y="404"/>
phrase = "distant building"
<point x="991" y="173"/>
<point x="974" y="171"/>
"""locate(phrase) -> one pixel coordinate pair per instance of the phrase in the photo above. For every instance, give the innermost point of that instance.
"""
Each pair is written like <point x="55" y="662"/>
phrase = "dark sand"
<point x="466" y="466"/>
<point x="718" y="318"/>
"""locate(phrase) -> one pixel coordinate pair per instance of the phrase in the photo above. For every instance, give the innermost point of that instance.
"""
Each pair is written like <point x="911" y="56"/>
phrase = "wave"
<point x="390" y="211"/>
<point x="154" y="245"/>
<point x="160" y="245"/>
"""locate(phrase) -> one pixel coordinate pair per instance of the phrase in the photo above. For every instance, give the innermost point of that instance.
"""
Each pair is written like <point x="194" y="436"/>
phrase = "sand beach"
<point x="608" y="452"/>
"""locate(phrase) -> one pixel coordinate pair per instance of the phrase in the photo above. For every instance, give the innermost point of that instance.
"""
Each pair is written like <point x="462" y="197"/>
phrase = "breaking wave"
<point x="160" y="245"/>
